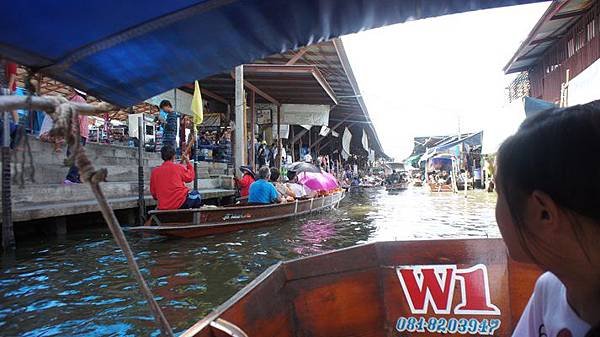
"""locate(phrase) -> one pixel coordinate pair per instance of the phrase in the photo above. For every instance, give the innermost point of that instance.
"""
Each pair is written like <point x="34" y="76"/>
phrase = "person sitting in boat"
<point x="247" y="180"/>
<point x="167" y="182"/>
<point x="299" y="190"/>
<point x="262" y="191"/>
<point x="284" y="192"/>
<point x="549" y="216"/>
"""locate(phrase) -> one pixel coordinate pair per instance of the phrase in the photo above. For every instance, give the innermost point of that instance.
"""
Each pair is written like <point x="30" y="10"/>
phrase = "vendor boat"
<point x="441" y="163"/>
<point x="400" y="186"/>
<point x="440" y="187"/>
<point x="449" y="287"/>
<point x="189" y="223"/>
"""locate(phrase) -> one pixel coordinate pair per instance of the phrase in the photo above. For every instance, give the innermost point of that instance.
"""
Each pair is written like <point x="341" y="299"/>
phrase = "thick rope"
<point x="65" y="115"/>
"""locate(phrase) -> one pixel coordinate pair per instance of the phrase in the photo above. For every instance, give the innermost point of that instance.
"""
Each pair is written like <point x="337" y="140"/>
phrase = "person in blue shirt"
<point x="169" y="119"/>
<point x="262" y="191"/>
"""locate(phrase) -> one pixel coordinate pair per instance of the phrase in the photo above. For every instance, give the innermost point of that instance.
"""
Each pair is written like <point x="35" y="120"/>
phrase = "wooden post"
<point x="195" y="156"/>
<point x="278" y="159"/>
<point x="252" y="158"/>
<point x="141" y="141"/>
<point x="291" y="137"/>
<point x="240" y="148"/>
<point x="299" y="150"/>
<point x="8" y="234"/>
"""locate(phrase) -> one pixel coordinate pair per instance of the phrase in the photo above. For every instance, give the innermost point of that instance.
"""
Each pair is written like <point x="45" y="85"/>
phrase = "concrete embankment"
<point x="47" y="197"/>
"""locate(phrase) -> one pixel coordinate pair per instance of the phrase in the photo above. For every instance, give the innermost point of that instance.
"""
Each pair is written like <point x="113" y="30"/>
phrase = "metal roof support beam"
<point x="259" y="92"/>
<point x="546" y="39"/>
<point x="529" y="57"/>
<point x="568" y="15"/>
<point x="294" y="69"/>
<point x="208" y="93"/>
<point x="296" y="57"/>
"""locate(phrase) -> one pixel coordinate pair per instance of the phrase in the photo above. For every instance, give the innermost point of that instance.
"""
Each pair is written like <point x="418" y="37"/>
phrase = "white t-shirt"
<point x="548" y="314"/>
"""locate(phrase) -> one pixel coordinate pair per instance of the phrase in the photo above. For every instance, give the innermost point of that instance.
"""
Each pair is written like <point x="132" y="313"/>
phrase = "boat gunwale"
<point x="161" y="228"/>
<point x="283" y="265"/>
<point x="214" y="209"/>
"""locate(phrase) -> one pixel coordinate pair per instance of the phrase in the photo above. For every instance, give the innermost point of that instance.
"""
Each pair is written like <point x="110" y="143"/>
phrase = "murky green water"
<point x="81" y="286"/>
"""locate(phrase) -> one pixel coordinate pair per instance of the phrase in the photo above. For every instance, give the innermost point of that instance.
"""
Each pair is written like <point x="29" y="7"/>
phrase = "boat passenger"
<point x="284" y="191"/>
<point x="262" y="191"/>
<point x="300" y="191"/>
<point x="167" y="182"/>
<point x="549" y="216"/>
<point x="247" y="180"/>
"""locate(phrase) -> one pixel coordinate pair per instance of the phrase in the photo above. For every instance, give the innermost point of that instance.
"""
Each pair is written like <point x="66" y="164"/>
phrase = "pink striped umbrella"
<point x="318" y="181"/>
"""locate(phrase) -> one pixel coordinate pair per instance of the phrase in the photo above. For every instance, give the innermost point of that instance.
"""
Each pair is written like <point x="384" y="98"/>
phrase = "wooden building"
<point x="562" y="46"/>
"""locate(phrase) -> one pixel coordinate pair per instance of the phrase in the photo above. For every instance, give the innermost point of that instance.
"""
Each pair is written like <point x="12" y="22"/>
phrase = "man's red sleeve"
<point x="152" y="188"/>
<point x="188" y="173"/>
<point x="11" y="68"/>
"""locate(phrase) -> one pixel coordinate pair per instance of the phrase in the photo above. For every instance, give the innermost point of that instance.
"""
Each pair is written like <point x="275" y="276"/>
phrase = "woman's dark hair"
<point x="274" y="174"/>
<point x="291" y="175"/>
<point x="167" y="152"/>
<point x="549" y="153"/>
<point x="164" y="103"/>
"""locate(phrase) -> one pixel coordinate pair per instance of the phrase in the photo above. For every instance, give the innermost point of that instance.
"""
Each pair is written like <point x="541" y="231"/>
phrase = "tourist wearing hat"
<point x="246" y="181"/>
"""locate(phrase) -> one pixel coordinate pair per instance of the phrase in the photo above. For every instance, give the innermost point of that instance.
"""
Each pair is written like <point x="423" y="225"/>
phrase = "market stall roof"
<point x="127" y="51"/>
<point x="552" y="26"/>
<point x="317" y="74"/>
<point x="276" y="83"/>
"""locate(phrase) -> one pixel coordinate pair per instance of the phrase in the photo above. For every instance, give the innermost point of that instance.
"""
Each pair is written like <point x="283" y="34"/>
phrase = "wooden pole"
<point x="240" y="148"/>
<point x="252" y="158"/>
<point x="141" y="141"/>
<point x="291" y="136"/>
<point x="195" y="156"/>
<point x="8" y="234"/>
<point x="278" y="159"/>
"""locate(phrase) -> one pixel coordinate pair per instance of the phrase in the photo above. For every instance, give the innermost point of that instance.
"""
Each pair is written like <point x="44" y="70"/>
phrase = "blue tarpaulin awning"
<point x="126" y="51"/>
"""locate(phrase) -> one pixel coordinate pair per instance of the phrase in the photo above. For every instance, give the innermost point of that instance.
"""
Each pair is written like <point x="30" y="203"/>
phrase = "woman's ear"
<point x="542" y="212"/>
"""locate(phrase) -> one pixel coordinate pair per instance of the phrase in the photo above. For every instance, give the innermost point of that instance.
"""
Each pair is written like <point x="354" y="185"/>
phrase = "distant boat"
<point x="401" y="186"/>
<point x="189" y="223"/>
<point x="420" y="288"/>
<point x="441" y="173"/>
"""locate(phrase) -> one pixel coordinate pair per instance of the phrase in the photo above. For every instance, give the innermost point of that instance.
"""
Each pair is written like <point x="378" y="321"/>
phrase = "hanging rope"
<point x="65" y="115"/>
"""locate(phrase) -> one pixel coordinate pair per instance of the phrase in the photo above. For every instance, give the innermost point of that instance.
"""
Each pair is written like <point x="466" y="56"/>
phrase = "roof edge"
<point x="341" y="51"/>
<point x="554" y="7"/>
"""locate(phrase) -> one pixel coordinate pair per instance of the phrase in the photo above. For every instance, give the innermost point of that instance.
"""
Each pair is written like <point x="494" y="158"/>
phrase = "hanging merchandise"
<point x="346" y="139"/>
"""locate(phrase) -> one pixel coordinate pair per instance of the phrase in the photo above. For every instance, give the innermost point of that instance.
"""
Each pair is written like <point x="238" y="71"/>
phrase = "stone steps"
<point x="43" y="193"/>
<point x="121" y="163"/>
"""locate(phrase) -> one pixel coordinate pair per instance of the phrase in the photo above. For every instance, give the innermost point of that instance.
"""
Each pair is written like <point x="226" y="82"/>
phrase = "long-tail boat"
<point x="439" y="187"/>
<point x="204" y="221"/>
<point x="410" y="288"/>
<point x="400" y="186"/>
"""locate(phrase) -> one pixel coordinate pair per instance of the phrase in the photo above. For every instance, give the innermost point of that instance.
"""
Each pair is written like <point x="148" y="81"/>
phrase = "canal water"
<point x="80" y="285"/>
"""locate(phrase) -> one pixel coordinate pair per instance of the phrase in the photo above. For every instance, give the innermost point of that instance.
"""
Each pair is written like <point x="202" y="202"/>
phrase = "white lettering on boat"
<point x="433" y="286"/>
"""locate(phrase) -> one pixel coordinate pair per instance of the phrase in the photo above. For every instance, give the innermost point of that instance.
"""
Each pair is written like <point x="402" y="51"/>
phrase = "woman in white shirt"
<point x="550" y="216"/>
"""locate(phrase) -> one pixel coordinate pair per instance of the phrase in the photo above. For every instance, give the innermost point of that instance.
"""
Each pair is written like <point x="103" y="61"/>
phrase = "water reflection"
<point x="81" y="285"/>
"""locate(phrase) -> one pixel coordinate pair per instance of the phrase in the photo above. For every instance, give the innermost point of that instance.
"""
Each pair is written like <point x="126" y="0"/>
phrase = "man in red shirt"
<point x="246" y="181"/>
<point x="167" y="182"/>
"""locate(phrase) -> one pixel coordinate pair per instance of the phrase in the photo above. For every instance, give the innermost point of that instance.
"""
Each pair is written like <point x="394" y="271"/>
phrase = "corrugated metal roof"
<point x="552" y="26"/>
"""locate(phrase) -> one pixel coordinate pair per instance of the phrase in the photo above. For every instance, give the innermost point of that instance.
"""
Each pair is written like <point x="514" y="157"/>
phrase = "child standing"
<point x="549" y="214"/>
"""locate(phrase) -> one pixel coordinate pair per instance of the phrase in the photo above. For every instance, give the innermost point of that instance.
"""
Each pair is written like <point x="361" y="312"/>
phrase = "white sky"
<point x="419" y="78"/>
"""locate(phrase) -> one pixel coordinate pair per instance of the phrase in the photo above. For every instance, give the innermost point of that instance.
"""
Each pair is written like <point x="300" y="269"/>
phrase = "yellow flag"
<point x="197" y="107"/>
